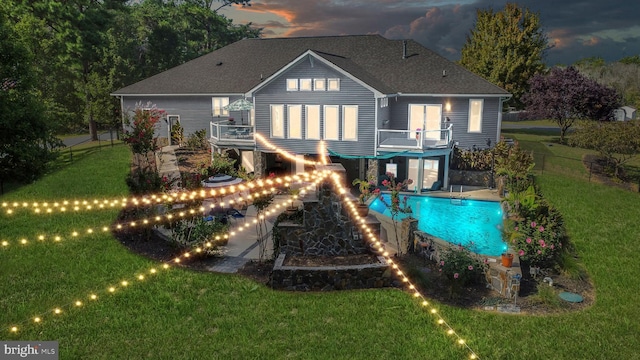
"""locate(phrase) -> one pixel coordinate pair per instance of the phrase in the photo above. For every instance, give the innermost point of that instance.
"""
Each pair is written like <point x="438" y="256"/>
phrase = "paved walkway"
<point x="243" y="245"/>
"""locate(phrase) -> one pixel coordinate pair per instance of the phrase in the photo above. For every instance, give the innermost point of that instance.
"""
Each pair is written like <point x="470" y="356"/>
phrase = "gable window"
<point x="350" y="122"/>
<point x="218" y="104"/>
<point x="305" y="84"/>
<point x="312" y="118"/>
<point x="475" y="115"/>
<point x="292" y="84"/>
<point x="294" y="120"/>
<point x="331" y="125"/>
<point x="319" y="85"/>
<point x="333" y="84"/>
<point x="277" y="121"/>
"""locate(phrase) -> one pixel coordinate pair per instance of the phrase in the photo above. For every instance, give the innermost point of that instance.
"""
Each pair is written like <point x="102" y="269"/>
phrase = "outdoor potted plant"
<point x="367" y="190"/>
<point x="291" y="208"/>
<point x="507" y="260"/>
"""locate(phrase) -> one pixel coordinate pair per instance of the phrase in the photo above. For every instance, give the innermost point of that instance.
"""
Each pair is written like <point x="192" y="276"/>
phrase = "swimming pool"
<point x="468" y="222"/>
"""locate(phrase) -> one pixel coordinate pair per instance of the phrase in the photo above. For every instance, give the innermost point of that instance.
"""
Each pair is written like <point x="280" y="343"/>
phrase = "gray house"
<point x="379" y="105"/>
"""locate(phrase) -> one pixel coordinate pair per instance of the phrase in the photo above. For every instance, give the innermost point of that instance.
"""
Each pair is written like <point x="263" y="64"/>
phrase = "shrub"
<point x="198" y="140"/>
<point x="140" y="135"/>
<point x="144" y="181"/>
<point x="540" y="237"/>
<point x="194" y="233"/>
<point x="177" y="134"/>
<point x="515" y="164"/>
<point x="460" y="267"/>
<point x="473" y="159"/>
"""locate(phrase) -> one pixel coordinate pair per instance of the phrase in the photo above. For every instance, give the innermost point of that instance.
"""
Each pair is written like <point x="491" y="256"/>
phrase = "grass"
<point x="179" y="314"/>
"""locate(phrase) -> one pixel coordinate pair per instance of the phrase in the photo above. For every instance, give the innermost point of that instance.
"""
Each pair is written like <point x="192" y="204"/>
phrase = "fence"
<point x="105" y="138"/>
<point x="583" y="169"/>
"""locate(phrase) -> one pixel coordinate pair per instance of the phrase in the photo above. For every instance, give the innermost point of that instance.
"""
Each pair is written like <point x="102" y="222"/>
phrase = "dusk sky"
<point x="576" y="28"/>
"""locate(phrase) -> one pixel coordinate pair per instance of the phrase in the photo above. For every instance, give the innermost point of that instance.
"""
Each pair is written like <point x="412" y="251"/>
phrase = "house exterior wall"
<point x="351" y="93"/>
<point x="195" y="111"/>
<point x="458" y="116"/>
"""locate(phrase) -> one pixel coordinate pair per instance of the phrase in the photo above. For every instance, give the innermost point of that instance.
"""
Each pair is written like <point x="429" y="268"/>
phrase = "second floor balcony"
<point x="224" y="133"/>
<point x="392" y="140"/>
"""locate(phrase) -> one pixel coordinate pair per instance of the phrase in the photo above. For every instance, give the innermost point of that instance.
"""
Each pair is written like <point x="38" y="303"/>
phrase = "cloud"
<point x="575" y="28"/>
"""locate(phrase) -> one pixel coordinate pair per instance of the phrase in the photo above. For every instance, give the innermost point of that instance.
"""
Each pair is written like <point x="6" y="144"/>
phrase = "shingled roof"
<point x="375" y="60"/>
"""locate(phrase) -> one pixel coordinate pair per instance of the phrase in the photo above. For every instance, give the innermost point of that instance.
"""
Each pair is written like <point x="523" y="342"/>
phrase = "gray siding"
<point x="195" y="111"/>
<point x="458" y="116"/>
<point x="351" y="93"/>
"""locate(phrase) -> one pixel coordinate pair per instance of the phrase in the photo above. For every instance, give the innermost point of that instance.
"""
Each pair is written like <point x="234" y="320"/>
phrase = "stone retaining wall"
<point x="328" y="278"/>
<point x="327" y="230"/>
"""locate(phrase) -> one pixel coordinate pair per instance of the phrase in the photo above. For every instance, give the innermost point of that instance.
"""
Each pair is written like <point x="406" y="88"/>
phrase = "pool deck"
<point x="465" y="192"/>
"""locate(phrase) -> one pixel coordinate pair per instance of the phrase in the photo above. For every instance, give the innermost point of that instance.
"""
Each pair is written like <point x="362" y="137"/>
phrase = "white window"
<point x="312" y="113"/>
<point x="333" y="84"/>
<point x="350" y="122"/>
<point x="331" y="125"/>
<point x="319" y="85"/>
<point x="384" y="102"/>
<point x="305" y="84"/>
<point x="218" y="104"/>
<point x="277" y="121"/>
<point x="292" y="84"/>
<point x="475" y="115"/>
<point x="294" y="113"/>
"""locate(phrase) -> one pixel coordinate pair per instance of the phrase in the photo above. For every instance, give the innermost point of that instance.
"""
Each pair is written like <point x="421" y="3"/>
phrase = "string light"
<point x="79" y="205"/>
<point x="153" y="270"/>
<point x="369" y="236"/>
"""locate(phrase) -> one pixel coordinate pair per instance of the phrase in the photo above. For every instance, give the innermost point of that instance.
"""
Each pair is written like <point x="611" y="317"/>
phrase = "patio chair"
<point x="232" y="133"/>
<point x="244" y="133"/>
<point x="437" y="185"/>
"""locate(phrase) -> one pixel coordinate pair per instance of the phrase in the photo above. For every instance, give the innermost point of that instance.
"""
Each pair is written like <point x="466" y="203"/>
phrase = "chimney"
<point x="444" y="73"/>
<point x="404" y="49"/>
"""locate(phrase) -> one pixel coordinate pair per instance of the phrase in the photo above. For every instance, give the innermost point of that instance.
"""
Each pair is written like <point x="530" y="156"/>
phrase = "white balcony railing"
<point x="415" y="140"/>
<point x="223" y="132"/>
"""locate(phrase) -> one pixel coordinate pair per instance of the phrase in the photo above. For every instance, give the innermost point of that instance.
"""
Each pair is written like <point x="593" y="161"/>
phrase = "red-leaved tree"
<point x="564" y="96"/>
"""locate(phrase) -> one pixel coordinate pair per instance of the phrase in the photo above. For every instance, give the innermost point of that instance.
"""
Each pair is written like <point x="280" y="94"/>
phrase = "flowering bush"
<point x="460" y="268"/>
<point x="396" y="206"/>
<point x="140" y="135"/>
<point x="365" y="190"/>
<point x="539" y="238"/>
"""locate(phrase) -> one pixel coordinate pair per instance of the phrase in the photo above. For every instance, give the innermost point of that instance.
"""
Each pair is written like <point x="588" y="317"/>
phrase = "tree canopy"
<point x="26" y="140"/>
<point x="623" y="75"/>
<point x="506" y="48"/>
<point x="564" y="96"/>
<point x="83" y="50"/>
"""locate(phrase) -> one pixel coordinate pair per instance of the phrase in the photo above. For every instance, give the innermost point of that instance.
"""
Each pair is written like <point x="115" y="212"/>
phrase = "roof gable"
<point x="376" y="61"/>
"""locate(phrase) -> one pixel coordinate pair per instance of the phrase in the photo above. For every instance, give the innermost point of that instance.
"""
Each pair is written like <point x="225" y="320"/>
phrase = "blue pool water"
<point x="468" y="222"/>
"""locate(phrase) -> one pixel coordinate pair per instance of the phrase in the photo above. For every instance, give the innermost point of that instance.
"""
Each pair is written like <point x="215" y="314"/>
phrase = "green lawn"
<point x="180" y="314"/>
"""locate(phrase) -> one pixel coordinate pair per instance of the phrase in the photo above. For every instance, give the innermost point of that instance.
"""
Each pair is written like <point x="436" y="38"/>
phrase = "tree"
<point x="623" y="75"/>
<point x="564" y="96"/>
<point x="616" y="142"/>
<point x="26" y="139"/>
<point x="506" y="48"/>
